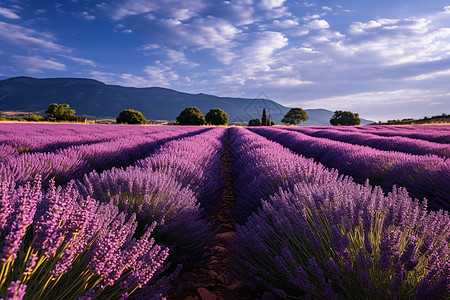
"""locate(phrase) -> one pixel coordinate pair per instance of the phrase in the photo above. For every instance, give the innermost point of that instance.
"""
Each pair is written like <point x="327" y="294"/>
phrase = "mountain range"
<point x="97" y="100"/>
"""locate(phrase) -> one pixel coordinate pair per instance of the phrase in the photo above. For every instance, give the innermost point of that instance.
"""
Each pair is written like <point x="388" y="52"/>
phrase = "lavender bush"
<point x="155" y="197"/>
<point x="423" y="176"/>
<point x="195" y="162"/>
<point x="436" y="134"/>
<point x="338" y="239"/>
<point x="166" y="187"/>
<point x="73" y="162"/>
<point x="58" y="245"/>
<point x="388" y="143"/>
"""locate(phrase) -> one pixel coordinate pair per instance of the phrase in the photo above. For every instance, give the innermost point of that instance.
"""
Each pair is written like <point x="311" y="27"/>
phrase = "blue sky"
<point x="382" y="59"/>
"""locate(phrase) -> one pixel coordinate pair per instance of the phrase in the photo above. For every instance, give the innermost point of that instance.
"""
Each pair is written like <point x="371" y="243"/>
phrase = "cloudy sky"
<point x="382" y="59"/>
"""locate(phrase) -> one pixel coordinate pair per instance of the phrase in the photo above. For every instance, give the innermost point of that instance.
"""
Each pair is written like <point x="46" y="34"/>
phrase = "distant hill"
<point x="442" y="119"/>
<point x="95" y="99"/>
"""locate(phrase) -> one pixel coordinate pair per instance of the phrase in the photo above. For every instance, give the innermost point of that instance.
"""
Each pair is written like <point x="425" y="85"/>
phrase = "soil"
<point x="215" y="281"/>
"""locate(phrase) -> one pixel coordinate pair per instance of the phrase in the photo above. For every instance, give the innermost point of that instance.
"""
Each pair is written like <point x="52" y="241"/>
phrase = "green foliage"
<point x="345" y="118"/>
<point x="131" y="116"/>
<point x="295" y="116"/>
<point x="191" y="116"/>
<point x="34" y="118"/>
<point x="254" y="122"/>
<point x="264" y="120"/>
<point x="272" y="123"/>
<point x="60" y="112"/>
<point x="216" y="116"/>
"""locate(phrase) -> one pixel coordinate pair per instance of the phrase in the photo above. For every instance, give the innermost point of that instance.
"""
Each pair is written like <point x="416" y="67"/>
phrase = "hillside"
<point x="442" y="119"/>
<point x="95" y="99"/>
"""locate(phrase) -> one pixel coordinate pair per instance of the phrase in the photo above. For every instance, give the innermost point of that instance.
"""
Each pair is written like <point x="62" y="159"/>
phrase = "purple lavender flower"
<point x="398" y="280"/>
<point x="334" y="268"/>
<point x="25" y="200"/>
<point x="317" y="271"/>
<point x="367" y="244"/>
<point x="16" y="291"/>
<point x="364" y="279"/>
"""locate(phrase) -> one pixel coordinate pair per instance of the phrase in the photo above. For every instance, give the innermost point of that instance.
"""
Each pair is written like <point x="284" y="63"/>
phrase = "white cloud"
<point x="81" y="61"/>
<point x="87" y="16"/>
<point x="318" y="25"/>
<point x="271" y="4"/>
<point x="25" y="37"/>
<point x="285" y="24"/>
<point x="8" y="13"/>
<point x="34" y="64"/>
<point x="133" y="7"/>
<point x="160" y="75"/>
<point x="178" y="57"/>
<point x="360" y="28"/>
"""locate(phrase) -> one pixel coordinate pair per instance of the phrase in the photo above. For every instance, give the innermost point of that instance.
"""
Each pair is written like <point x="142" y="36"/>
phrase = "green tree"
<point x="34" y="118"/>
<point x="131" y="116"/>
<point x="295" y="116"/>
<point x="345" y="118"/>
<point x="264" y="120"/>
<point x="60" y="112"/>
<point x="216" y="116"/>
<point x="191" y="116"/>
<point x="254" y="122"/>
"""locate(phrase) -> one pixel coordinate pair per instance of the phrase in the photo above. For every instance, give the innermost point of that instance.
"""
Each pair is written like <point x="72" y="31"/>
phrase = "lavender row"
<point x="75" y="161"/>
<point x="60" y="245"/>
<point x="195" y="161"/>
<point x="257" y="171"/>
<point x="333" y="238"/>
<point x="423" y="176"/>
<point x="49" y="137"/>
<point x="173" y="187"/>
<point x="418" y="132"/>
<point x="31" y="138"/>
<point x="388" y="143"/>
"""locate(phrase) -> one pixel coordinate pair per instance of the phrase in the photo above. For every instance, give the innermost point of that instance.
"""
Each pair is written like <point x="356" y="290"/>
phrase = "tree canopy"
<point x="59" y="112"/>
<point x="264" y="120"/>
<point x="191" y="116"/>
<point x="131" y="116"/>
<point x="345" y="118"/>
<point x="254" y="122"/>
<point x="216" y="116"/>
<point x="295" y="116"/>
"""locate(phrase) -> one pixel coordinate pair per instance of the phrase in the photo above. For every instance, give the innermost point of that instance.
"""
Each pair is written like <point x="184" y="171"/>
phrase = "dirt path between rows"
<point x="215" y="282"/>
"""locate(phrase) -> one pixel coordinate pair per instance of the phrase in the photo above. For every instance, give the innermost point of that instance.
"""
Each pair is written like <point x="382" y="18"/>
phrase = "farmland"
<point x="147" y="212"/>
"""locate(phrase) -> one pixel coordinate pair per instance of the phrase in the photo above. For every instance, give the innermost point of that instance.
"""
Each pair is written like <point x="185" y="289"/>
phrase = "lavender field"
<point x="178" y="212"/>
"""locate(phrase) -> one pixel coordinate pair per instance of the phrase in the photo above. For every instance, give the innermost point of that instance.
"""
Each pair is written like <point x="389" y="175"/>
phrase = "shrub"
<point x="191" y="116"/>
<point x="345" y="118"/>
<point x="131" y="116"/>
<point x="216" y="116"/>
<point x="295" y="116"/>
<point x="254" y="122"/>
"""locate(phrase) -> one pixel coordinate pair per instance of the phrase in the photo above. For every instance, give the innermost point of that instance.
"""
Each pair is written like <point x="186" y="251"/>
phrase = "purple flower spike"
<point x="16" y="291"/>
<point x="334" y="268"/>
<point x="317" y="271"/>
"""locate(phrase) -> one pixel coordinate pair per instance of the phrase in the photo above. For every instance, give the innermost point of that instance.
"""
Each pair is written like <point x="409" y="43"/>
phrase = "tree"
<point x="59" y="112"/>
<point x="191" y="116"/>
<point x="295" y="116"/>
<point x="34" y="118"/>
<point x="264" y="121"/>
<point x="254" y="122"/>
<point x="131" y="116"/>
<point x="345" y="118"/>
<point x="216" y="116"/>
